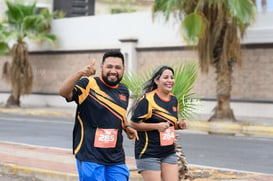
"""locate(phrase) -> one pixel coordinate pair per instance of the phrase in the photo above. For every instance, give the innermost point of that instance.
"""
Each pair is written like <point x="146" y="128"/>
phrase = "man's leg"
<point x="117" y="173"/>
<point x="89" y="171"/>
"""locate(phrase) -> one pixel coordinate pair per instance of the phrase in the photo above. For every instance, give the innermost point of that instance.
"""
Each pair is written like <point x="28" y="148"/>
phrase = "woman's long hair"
<point x="150" y="84"/>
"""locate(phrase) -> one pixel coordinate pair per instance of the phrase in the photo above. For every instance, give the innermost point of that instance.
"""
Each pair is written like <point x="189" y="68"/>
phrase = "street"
<point x="230" y="152"/>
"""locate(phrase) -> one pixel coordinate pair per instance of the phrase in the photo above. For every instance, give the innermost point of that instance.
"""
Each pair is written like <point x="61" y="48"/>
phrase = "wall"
<point x="253" y="81"/>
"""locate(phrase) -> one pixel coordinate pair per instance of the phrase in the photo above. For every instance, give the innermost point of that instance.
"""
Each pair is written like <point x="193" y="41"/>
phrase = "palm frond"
<point x="31" y="22"/>
<point x="185" y="76"/>
<point x="26" y="22"/>
<point x="135" y="82"/>
<point x="243" y="11"/>
<point x="193" y="27"/>
<point x="4" y="48"/>
<point x="168" y="7"/>
<point x="17" y="11"/>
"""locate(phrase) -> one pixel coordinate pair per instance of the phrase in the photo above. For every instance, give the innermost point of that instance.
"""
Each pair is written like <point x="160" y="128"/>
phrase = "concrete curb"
<point x="196" y="170"/>
<point x="34" y="112"/>
<point x="231" y="128"/>
<point x="48" y="175"/>
<point x="45" y="175"/>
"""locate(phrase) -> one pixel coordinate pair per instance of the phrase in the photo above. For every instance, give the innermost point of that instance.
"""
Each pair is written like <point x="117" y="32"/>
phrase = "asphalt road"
<point x="232" y="152"/>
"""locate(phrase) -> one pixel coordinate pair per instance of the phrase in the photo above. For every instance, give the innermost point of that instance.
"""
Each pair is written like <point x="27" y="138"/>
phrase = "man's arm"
<point x="131" y="132"/>
<point x="68" y="85"/>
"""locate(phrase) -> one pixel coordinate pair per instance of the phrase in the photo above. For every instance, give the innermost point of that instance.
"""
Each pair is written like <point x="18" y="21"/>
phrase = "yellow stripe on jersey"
<point x="159" y="110"/>
<point x="84" y="94"/>
<point x="82" y="135"/>
<point x="101" y="97"/>
<point x="85" y="91"/>
<point x="105" y="100"/>
<point x="145" y="146"/>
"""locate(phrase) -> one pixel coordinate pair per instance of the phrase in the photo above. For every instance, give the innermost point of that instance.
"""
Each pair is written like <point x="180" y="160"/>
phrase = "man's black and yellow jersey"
<point x="152" y="109"/>
<point x="98" y="106"/>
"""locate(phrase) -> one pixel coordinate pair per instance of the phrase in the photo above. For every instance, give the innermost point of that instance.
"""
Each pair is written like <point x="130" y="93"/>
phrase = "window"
<point x="73" y="8"/>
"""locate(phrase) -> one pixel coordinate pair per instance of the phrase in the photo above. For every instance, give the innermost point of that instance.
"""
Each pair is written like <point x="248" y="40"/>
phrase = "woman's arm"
<point x="141" y="126"/>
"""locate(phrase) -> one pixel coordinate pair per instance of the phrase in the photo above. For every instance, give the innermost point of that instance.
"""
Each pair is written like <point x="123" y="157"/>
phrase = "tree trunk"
<point x="20" y="74"/>
<point x="13" y="102"/>
<point x="223" y="111"/>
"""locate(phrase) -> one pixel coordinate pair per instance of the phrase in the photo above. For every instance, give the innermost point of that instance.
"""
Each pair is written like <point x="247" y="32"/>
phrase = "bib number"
<point x="106" y="138"/>
<point x="167" y="137"/>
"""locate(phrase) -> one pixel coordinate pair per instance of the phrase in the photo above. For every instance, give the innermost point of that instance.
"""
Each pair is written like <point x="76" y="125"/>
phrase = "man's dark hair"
<point x="113" y="53"/>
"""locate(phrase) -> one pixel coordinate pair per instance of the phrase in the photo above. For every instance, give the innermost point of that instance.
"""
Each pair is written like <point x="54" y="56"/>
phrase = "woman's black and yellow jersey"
<point x="98" y="106"/>
<point x="152" y="109"/>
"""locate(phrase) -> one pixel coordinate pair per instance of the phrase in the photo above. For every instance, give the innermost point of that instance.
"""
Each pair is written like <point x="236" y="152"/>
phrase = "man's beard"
<point x="111" y="83"/>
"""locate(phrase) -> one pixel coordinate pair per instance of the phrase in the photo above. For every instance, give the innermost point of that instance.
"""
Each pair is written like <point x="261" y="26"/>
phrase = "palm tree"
<point x="215" y="27"/>
<point x="22" y="22"/>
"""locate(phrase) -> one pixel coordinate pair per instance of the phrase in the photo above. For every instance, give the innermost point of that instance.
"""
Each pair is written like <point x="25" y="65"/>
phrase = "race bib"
<point x="167" y="137"/>
<point x="106" y="138"/>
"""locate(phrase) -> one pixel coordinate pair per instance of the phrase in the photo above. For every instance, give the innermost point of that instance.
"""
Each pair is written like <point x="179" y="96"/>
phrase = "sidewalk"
<point x="45" y="163"/>
<point x="55" y="164"/>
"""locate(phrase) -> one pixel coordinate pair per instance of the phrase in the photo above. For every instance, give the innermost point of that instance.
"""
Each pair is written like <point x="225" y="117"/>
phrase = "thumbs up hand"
<point x="89" y="69"/>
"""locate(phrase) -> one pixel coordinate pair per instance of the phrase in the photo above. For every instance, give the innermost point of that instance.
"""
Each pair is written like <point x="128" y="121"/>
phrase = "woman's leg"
<point x="150" y="175"/>
<point x="169" y="168"/>
<point x="169" y="172"/>
<point x="149" y="168"/>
